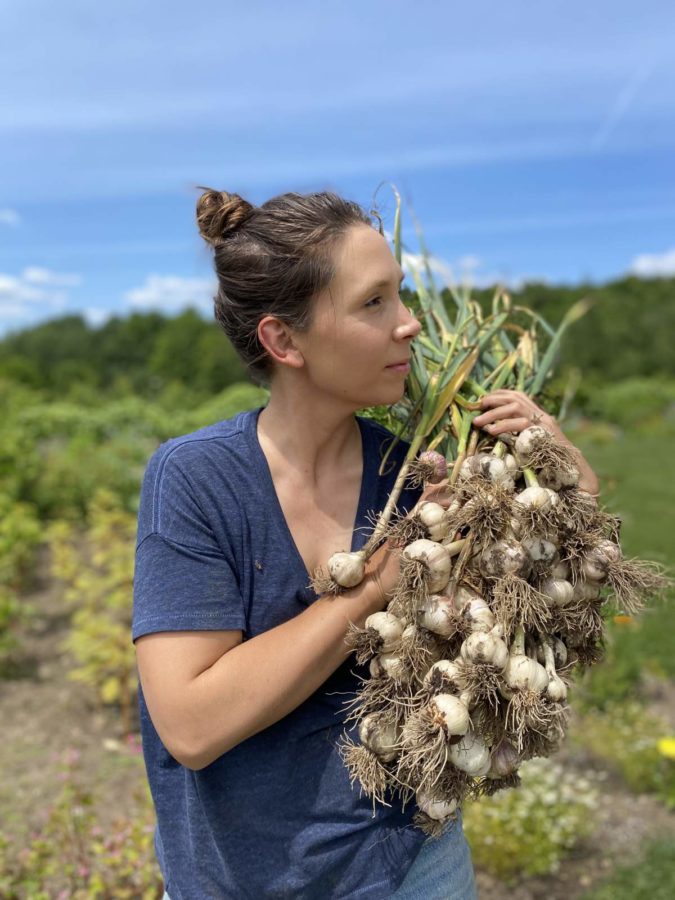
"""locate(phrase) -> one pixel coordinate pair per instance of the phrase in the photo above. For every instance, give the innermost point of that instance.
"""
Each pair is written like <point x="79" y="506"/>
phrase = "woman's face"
<point x="360" y="325"/>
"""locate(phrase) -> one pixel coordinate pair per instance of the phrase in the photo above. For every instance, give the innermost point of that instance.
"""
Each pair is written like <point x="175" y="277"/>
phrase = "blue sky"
<point x="533" y="140"/>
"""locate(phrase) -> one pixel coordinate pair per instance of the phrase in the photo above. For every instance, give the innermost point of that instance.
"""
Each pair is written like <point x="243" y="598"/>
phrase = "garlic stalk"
<point x="556" y="689"/>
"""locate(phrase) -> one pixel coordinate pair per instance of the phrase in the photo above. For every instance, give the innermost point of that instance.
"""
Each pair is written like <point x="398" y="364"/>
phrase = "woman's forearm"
<point x="263" y="679"/>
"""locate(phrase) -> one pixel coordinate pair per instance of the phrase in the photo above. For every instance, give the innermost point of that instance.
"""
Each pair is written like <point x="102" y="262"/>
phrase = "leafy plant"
<point x="627" y="738"/>
<point x="68" y="856"/>
<point x="528" y="831"/>
<point x="97" y="568"/>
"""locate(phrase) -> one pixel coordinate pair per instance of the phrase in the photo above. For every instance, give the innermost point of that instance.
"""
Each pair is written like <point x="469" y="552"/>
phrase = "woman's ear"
<point x="276" y="337"/>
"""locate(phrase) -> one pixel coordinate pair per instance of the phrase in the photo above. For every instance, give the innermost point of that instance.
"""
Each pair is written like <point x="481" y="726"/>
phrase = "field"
<point x="596" y="822"/>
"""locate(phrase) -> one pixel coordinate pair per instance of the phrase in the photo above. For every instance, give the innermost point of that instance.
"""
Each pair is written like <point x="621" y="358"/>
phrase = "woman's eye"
<point x="375" y="299"/>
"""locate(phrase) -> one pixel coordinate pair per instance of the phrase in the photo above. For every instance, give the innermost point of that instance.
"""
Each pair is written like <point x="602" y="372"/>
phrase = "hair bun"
<point x="220" y="214"/>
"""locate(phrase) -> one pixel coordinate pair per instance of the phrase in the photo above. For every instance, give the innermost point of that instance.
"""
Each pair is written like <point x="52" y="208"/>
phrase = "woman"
<point x="243" y="668"/>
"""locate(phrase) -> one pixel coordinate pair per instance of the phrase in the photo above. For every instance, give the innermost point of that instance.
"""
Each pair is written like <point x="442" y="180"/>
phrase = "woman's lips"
<point x="404" y="368"/>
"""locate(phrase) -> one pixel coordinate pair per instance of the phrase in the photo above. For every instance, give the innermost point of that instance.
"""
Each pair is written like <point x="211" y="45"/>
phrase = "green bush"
<point x="528" y="830"/>
<point x="626" y="737"/>
<point x="97" y="568"/>
<point x="629" y="402"/>
<point x="20" y="536"/>
<point x="650" y="879"/>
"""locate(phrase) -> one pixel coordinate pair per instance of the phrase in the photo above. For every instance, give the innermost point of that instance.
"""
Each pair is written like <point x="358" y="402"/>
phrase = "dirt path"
<point x="44" y="715"/>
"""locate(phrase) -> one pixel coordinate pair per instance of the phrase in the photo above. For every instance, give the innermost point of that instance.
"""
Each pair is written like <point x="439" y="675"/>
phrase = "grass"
<point x="637" y="476"/>
<point x="653" y="878"/>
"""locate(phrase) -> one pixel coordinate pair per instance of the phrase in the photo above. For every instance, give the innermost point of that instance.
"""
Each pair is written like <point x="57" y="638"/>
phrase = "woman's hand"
<point x="514" y="411"/>
<point x="509" y="410"/>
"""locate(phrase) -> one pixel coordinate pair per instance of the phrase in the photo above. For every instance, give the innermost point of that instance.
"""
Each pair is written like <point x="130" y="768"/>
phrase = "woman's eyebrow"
<point x="381" y="283"/>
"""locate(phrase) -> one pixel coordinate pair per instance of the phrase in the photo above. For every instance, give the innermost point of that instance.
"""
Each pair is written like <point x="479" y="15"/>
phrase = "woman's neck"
<point x="314" y="440"/>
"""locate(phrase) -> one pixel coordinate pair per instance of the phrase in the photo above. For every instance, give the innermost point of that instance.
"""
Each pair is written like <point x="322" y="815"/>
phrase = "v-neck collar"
<point x="260" y="460"/>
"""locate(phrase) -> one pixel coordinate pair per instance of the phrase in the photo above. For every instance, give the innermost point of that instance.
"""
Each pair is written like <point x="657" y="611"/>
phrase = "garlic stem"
<point x="530" y="477"/>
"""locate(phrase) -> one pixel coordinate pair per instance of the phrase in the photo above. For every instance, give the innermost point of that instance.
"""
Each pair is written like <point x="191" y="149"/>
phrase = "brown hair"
<point x="272" y="259"/>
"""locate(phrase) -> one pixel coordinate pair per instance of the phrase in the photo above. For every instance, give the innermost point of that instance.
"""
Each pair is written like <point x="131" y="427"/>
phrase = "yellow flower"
<point x="666" y="747"/>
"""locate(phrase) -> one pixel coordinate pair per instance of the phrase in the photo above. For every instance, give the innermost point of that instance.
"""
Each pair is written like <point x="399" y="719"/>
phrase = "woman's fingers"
<point x="492" y="415"/>
<point x="514" y="425"/>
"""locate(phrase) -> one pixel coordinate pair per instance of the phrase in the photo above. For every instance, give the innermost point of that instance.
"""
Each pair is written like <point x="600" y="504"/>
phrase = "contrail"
<point x="622" y="103"/>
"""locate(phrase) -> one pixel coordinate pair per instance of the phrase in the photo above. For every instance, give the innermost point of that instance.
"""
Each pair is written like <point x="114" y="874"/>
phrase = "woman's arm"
<point x="207" y="691"/>
<point x="509" y="410"/>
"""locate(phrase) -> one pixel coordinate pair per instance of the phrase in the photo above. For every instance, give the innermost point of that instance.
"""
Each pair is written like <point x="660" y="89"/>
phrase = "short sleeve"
<point x="186" y="574"/>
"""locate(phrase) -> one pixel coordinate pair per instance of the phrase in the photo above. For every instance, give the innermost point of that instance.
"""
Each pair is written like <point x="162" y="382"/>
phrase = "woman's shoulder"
<point x="195" y="459"/>
<point x="203" y="441"/>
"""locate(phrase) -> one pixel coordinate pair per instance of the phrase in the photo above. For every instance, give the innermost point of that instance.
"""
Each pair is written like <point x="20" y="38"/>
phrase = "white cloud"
<point x="96" y="316"/>
<point x="654" y="265"/>
<point x="47" y="278"/>
<point x="25" y="301"/>
<point x="171" y="293"/>
<point x="9" y="217"/>
<point x="473" y="273"/>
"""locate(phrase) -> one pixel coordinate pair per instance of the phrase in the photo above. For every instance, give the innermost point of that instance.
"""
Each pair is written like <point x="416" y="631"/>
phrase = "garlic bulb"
<point x="598" y="560"/>
<point x="389" y="628"/>
<point x="437" y="462"/>
<point x="379" y="735"/>
<point x="493" y="469"/>
<point x="540" y="549"/>
<point x="347" y="569"/>
<point x="436" y="559"/>
<point x="436" y="615"/>
<point x="393" y="666"/>
<point x="559" y="653"/>
<point x="504" y="557"/>
<point x="534" y="498"/>
<point x="433" y="517"/>
<point x="559" y="592"/>
<point x="453" y="713"/>
<point x="586" y="590"/>
<point x="512" y="466"/>
<point x="556" y="689"/>
<point x="471" y="754"/>
<point x="558" y="479"/>
<point x="504" y="760"/>
<point x="375" y="667"/>
<point x="486" y="647"/>
<point x="447" y="672"/>
<point x="525" y="674"/>
<point x="479" y="613"/>
<point x="435" y="806"/>
<point x="529" y="439"/>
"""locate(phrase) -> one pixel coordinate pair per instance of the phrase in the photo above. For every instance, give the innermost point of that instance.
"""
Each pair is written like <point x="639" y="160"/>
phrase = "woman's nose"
<point x="411" y="326"/>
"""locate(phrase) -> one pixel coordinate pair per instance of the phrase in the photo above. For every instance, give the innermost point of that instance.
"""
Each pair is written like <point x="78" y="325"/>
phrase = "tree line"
<point x="627" y="333"/>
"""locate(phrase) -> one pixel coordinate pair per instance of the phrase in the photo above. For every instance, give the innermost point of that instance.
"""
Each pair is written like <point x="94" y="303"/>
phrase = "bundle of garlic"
<point x="500" y="593"/>
<point x="499" y="597"/>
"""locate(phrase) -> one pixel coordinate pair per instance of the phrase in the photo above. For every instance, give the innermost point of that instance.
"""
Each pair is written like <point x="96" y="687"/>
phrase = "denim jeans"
<point x="442" y="869"/>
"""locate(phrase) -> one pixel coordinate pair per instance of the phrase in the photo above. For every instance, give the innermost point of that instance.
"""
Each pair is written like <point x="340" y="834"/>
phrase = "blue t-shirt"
<point x="276" y="815"/>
